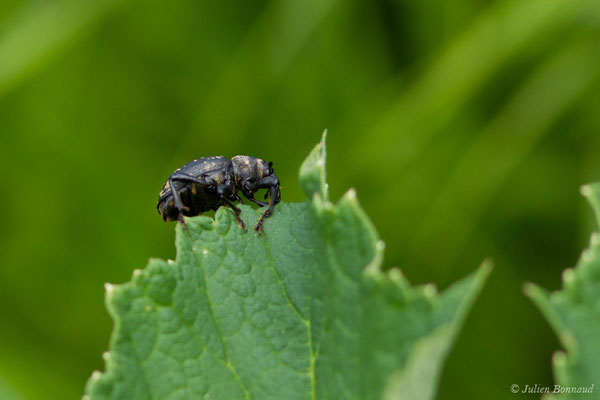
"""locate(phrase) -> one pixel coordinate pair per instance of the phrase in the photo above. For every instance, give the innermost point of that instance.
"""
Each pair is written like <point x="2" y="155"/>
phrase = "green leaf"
<point x="302" y="312"/>
<point x="574" y="313"/>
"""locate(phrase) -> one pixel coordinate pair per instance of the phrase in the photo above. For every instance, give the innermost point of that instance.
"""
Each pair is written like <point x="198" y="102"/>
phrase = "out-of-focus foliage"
<point x="573" y="313"/>
<point x="464" y="126"/>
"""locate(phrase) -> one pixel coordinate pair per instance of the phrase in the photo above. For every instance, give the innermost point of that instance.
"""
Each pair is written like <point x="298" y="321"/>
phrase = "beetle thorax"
<point x="247" y="168"/>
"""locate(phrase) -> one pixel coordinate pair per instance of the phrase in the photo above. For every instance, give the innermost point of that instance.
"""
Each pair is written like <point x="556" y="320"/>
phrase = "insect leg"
<point x="183" y="177"/>
<point x="225" y="190"/>
<point x="237" y="212"/>
<point x="272" y="183"/>
<point x="238" y="198"/>
<point x="260" y="203"/>
<point x="177" y="202"/>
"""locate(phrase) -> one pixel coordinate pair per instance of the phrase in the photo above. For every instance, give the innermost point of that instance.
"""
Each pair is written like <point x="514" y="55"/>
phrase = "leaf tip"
<point x="430" y="290"/>
<point x="96" y="375"/>
<point x="559" y="358"/>
<point x="595" y="240"/>
<point x="586" y="190"/>
<point x="109" y="288"/>
<point x="591" y="192"/>
<point x="374" y="267"/>
<point x="546" y="303"/>
<point x="351" y="195"/>
<point x="568" y="276"/>
<point x="313" y="172"/>
<point x="484" y="270"/>
<point x="533" y="291"/>
<point x="351" y="198"/>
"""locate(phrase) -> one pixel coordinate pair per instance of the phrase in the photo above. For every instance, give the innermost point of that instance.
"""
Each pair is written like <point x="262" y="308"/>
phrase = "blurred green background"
<point x="466" y="127"/>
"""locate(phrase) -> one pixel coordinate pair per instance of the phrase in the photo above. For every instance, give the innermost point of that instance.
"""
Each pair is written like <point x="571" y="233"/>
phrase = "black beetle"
<point x="210" y="182"/>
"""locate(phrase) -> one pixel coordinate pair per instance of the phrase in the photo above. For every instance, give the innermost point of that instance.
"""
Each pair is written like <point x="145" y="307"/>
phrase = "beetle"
<point x="210" y="182"/>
